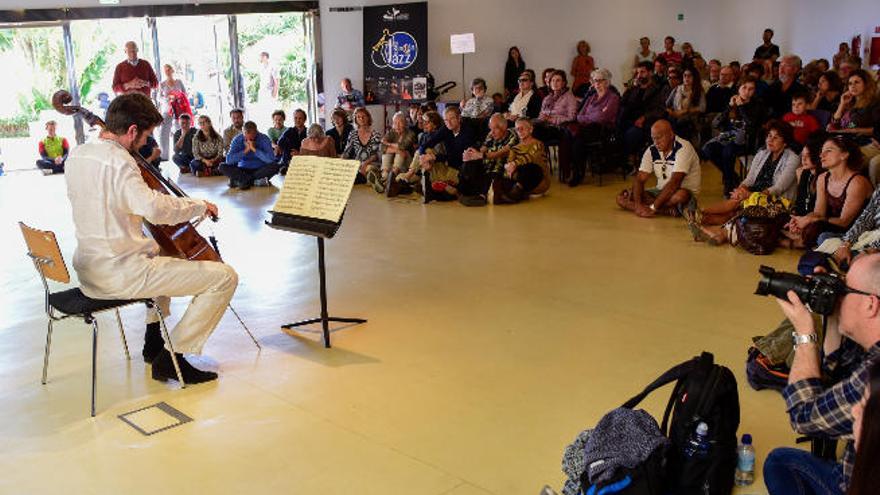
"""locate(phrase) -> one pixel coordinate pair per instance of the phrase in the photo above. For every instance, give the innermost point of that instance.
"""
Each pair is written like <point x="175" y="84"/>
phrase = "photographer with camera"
<point x="851" y="346"/>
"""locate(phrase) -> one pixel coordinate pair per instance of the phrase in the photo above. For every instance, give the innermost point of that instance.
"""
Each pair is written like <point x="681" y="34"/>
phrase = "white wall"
<point x="547" y="31"/>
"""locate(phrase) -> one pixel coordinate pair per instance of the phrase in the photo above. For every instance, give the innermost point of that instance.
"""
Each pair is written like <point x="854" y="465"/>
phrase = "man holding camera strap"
<point x="851" y="346"/>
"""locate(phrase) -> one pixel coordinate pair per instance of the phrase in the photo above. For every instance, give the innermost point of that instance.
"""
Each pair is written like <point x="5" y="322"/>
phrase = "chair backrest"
<point x="43" y="248"/>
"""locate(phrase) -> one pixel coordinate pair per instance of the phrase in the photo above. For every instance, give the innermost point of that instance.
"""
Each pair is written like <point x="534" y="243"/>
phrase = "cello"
<point x="177" y="241"/>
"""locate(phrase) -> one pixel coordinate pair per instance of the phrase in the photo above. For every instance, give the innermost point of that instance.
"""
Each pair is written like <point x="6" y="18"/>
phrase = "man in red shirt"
<point x="134" y="74"/>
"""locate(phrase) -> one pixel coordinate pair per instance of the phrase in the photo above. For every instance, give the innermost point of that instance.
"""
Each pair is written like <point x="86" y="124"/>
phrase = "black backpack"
<point x="703" y="392"/>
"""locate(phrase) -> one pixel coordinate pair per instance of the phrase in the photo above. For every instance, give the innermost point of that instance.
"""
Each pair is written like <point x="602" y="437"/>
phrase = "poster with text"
<point x="395" y="51"/>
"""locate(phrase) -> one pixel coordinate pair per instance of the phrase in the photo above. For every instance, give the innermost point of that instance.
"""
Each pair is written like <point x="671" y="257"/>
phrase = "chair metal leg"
<point x="170" y="345"/>
<point x="245" y="327"/>
<point x="122" y="334"/>
<point x="46" y="354"/>
<point x="94" y="361"/>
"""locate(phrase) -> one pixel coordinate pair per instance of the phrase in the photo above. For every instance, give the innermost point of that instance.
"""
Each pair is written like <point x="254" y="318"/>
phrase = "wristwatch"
<point x="801" y="339"/>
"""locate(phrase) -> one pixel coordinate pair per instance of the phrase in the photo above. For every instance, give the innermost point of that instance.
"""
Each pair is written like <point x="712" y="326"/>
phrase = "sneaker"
<point x="233" y="184"/>
<point x="374" y="179"/>
<point x="46" y="171"/>
<point x="264" y="182"/>
<point x="244" y="186"/>
<point x="478" y="200"/>
<point x="163" y="370"/>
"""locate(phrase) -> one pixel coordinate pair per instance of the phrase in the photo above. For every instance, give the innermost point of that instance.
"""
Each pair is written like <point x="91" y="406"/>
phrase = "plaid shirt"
<point x="827" y="412"/>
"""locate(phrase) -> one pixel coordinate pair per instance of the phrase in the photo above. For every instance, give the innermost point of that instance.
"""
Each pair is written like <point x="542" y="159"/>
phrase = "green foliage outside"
<point x="292" y="67"/>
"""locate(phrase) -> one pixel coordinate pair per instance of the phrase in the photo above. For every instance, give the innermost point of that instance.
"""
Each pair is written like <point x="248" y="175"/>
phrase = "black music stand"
<point x="320" y="229"/>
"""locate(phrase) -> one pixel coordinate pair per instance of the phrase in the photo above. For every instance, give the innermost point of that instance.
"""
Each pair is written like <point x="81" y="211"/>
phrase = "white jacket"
<point x="110" y="202"/>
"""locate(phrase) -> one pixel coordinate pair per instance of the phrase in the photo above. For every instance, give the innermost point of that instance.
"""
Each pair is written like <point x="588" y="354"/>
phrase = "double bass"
<point x="177" y="241"/>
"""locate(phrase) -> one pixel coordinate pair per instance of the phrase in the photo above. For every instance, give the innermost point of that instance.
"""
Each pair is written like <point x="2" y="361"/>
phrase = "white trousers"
<point x="211" y="283"/>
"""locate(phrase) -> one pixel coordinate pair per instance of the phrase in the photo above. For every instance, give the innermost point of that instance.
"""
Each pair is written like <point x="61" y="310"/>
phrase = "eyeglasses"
<point x="599" y="80"/>
<point x="524" y="79"/>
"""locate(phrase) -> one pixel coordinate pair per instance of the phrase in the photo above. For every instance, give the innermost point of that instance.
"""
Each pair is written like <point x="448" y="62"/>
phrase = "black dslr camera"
<point x="819" y="292"/>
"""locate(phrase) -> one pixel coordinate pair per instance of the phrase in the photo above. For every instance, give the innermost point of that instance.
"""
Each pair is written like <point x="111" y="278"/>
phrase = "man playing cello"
<point x="114" y="259"/>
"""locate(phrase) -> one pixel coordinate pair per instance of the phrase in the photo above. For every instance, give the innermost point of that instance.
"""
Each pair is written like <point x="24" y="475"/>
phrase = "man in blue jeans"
<point x="250" y="159"/>
<point x="851" y="346"/>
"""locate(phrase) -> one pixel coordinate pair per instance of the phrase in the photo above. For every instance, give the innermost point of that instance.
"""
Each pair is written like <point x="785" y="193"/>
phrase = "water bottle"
<point x="745" y="462"/>
<point x="698" y="444"/>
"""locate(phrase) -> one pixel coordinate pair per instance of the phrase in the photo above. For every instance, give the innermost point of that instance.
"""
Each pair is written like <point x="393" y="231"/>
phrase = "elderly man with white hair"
<point x="481" y="165"/>
<point x="779" y="94"/>
<point x="134" y="74"/>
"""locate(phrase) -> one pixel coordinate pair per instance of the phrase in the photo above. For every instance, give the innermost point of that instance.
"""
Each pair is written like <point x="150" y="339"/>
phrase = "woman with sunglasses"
<point x="526" y="102"/>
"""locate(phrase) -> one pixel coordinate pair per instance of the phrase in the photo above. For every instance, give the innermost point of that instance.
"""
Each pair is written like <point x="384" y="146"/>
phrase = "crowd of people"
<point x="806" y="138"/>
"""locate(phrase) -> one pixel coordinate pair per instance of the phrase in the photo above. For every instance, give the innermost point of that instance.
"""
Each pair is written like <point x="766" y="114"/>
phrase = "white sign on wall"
<point x="462" y="43"/>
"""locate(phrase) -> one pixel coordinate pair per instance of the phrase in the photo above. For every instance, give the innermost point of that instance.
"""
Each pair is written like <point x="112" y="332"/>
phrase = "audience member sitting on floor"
<point x="827" y="98"/>
<point x="398" y="147"/>
<point x="644" y="54"/>
<point x="278" y="127"/>
<point x="738" y="127"/>
<point x="642" y="105"/>
<point x="290" y="142"/>
<point x="433" y="135"/>
<point x="234" y="129"/>
<point x="581" y="68"/>
<point x="841" y="193"/>
<point x="207" y="148"/>
<point x="317" y="143"/>
<point x="598" y="114"/>
<point x="151" y="152"/>
<point x="864" y="232"/>
<point x="526" y="102"/>
<point x="772" y="173"/>
<point x="414" y="118"/>
<point x="780" y="93"/>
<point x="526" y="171"/>
<point x="183" y="144"/>
<point x="852" y="346"/>
<point x="675" y="164"/>
<point x="250" y="160"/>
<point x="800" y="121"/>
<point x="53" y="151"/>
<point x="458" y="139"/>
<point x="805" y="197"/>
<point x="558" y="109"/>
<point x="866" y="436"/>
<point x="363" y="146"/>
<point x="686" y="103"/>
<point x="341" y="130"/>
<point x="481" y="166"/>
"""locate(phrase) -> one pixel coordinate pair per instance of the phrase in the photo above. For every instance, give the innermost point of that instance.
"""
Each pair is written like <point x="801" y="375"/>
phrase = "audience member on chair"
<point x="597" y="115"/>
<point x="207" y="148"/>
<point x="250" y="160"/>
<point x="642" y="105"/>
<point x="526" y="102"/>
<point x="738" y="127"/>
<point x="53" y="151"/>
<point x="676" y="166"/>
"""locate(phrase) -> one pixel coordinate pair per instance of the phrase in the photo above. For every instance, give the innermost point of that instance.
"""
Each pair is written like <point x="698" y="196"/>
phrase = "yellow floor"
<point x="495" y="335"/>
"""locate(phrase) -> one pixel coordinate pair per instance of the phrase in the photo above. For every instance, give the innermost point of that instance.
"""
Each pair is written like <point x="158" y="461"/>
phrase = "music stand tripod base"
<point x="324" y="319"/>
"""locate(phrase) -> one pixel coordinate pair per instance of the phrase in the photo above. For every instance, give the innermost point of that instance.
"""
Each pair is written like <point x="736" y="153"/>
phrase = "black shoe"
<point x="153" y="342"/>
<point x="163" y="370"/>
<point x="233" y="184"/>
<point x="244" y="186"/>
<point x="392" y="185"/>
<point x="478" y="200"/>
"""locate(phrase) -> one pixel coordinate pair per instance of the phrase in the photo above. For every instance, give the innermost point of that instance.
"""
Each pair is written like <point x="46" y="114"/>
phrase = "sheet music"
<point x="317" y="187"/>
